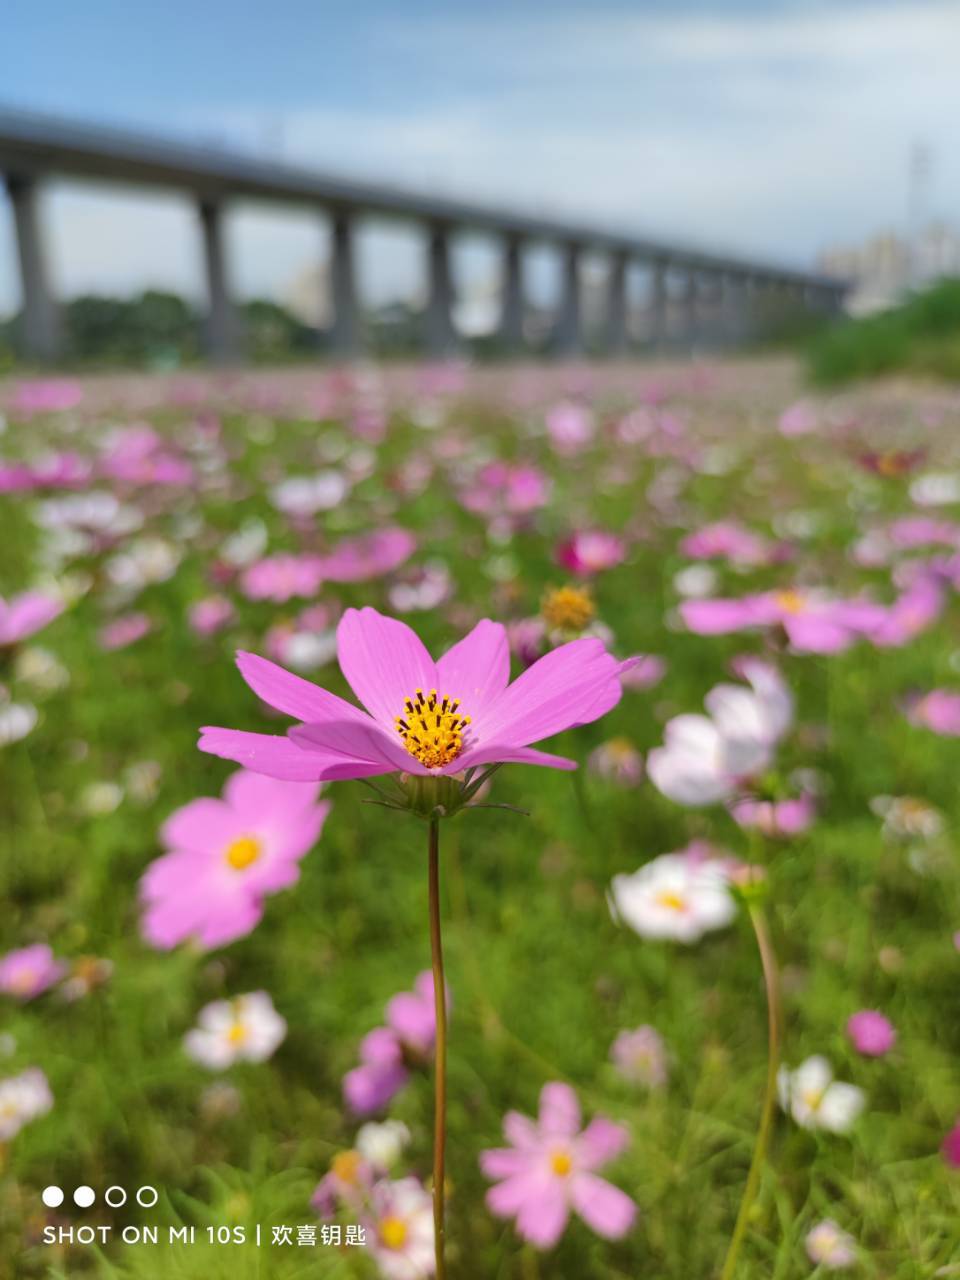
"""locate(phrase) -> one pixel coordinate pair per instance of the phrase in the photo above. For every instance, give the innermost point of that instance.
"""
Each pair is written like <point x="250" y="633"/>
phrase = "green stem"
<point x="440" y="1064"/>
<point x="771" y="982"/>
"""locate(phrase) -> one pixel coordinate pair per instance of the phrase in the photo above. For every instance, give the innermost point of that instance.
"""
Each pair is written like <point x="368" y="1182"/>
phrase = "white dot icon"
<point x="52" y="1197"/>
<point x="84" y="1197"/>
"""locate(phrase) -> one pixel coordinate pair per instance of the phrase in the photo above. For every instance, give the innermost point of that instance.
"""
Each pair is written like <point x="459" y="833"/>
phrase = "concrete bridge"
<point x="692" y="294"/>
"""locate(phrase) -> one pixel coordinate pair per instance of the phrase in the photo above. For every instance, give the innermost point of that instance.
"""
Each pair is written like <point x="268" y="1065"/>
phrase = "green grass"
<point x="921" y="337"/>
<point x="541" y="978"/>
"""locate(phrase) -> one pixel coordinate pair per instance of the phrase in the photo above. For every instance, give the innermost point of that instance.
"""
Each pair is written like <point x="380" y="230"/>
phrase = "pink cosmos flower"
<point x="503" y="489"/>
<point x="571" y="428"/>
<point x="726" y="540"/>
<point x="210" y="615"/>
<point x="398" y="1222"/>
<point x="912" y="613"/>
<point x="225" y="856"/>
<point x="30" y="971"/>
<point x="591" y="551"/>
<point x="775" y="818"/>
<point x="871" y="1033"/>
<point x="640" y="1057"/>
<point x="279" y="578"/>
<point x="813" y="624"/>
<point x="549" y="1170"/>
<point x="371" y="555"/>
<point x="48" y="395"/>
<point x="124" y="631"/>
<point x="24" y="615"/>
<point x="938" y="710"/>
<point x="422" y="717"/>
<point x="138" y="455"/>
<point x="388" y="1053"/>
<point x="799" y="419"/>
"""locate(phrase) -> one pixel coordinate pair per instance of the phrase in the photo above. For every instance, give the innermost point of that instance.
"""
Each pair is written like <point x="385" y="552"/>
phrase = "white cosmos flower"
<point x="247" y="544"/>
<point x="382" y="1144"/>
<point x="673" y="897"/>
<point x="246" y="1028"/>
<point x="306" y="495"/>
<point x="817" y="1101"/>
<point x="704" y="757"/>
<point x="828" y="1245"/>
<point x="400" y="1234"/>
<point x="23" y="1098"/>
<point x="17" y="719"/>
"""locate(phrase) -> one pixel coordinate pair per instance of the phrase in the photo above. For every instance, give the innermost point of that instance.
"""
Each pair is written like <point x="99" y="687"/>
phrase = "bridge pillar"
<point x="657" y="321"/>
<point x="568" y="334"/>
<point x="689" y="316"/>
<point x="441" y="338"/>
<point x="617" y="335"/>
<point x="221" y="331"/>
<point x="344" y="336"/>
<point x="511" y="314"/>
<point x="41" y="332"/>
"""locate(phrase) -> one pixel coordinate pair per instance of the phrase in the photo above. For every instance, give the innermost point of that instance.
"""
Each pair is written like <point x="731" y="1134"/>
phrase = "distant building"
<point x="887" y="266"/>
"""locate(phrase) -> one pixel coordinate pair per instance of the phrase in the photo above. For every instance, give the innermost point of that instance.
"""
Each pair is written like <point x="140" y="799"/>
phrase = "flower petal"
<point x="477" y="669"/>
<point x="365" y="742"/>
<point x="559" y="1110"/>
<point x="604" y="1207"/>
<point x="602" y="1140"/>
<point x="573" y="684"/>
<point x="496" y="754"/>
<point x="291" y="694"/>
<point x="383" y="661"/>
<point x="263" y="753"/>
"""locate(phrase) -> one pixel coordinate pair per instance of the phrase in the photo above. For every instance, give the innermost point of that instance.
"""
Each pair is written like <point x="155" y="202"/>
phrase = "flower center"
<point x="813" y="1098"/>
<point x="560" y="1163"/>
<point x="393" y="1232"/>
<point x="243" y="852"/>
<point x="791" y="601"/>
<point x="432" y="728"/>
<point x="346" y="1165"/>
<point x="671" y="901"/>
<point x="568" y="609"/>
<point x="237" y="1033"/>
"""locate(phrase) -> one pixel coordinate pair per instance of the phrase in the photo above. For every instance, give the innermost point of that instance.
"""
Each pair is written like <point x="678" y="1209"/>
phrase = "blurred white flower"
<point x="673" y="897"/>
<point x="101" y="797"/>
<point x="817" y="1101"/>
<point x="247" y="1028"/>
<point x="936" y="489"/>
<point x="144" y="561"/>
<point x="306" y="495"/>
<point x="17" y="719"/>
<point x="829" y="1246"/>
<point x="695" y="580"/>
<point x="40" y="668"/>
<point x="382" y="1144"/>
<point x="244" y="546"/>
<point x="23" y="1098"/>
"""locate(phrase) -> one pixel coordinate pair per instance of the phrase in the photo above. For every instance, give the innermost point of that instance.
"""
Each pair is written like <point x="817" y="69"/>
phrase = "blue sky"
<point x="772" y="128"/>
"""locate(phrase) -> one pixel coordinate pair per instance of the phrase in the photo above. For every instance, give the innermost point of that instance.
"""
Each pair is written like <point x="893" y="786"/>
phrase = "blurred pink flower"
<point x="369" y="555"/>
<point x="422" y="717"/>
<point x="47" y="395"/>
<point x="648" y="670"/>
<point x="388" y="1053"/>
<point x="871" y="1033"/>
<point x="726" y="540"/>
<point x="799" y="419"/>
<point x="279" y="578"/>
<point x="813" y="623"/>
<point x="225" y="856"/>
<point x="618" y="761"/>
<point x="776" y="818"/>
<point x="640" y="1057"/>
<point x="549" y="1171"/>
<point x="938" y="710"/>
<point x="506" y="489"/>
<point x="210" y="615"/>
<point x="591" y="551"/>
<point x="571" y="427"/>
<point x="139" y="455"/>
<point x="30" y="971"/>
<point x="124" y="631"/>
<point x="23" y="615"/>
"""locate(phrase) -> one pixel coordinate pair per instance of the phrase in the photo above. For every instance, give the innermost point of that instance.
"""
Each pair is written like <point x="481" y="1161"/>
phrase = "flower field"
<point x="636" y="688"/>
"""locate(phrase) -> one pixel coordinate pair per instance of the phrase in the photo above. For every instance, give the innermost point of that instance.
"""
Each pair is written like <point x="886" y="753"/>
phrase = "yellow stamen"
<point x="568" y="609"/>
<point x="813" y="1098"/>
<point x="243" y="852"/>
<point x="672" y="901"/>
<point x="393" y="1233"/>
<point x="345" y="1165"/>
<point x="791" y="601"/>
<point x="560" y="1163"/>
<point x="432" y="728"/>
<point x="237" y="1033"/>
